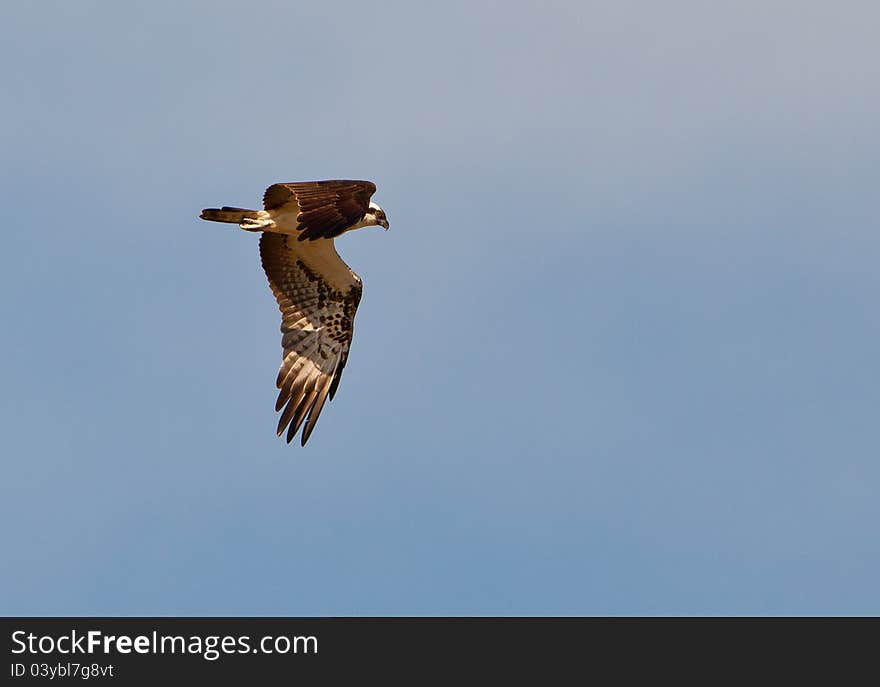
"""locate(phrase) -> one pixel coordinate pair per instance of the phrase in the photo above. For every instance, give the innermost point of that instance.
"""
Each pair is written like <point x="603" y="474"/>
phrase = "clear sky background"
<point x="618" y="353"/>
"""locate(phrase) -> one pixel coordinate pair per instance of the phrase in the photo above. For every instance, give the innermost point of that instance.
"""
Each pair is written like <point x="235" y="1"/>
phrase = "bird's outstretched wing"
<point x="325" y="209"/>
<point x="317" y="323"/>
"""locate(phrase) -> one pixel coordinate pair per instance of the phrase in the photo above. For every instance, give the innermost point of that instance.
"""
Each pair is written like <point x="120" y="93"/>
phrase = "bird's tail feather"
<point x="251" y="220"/>
<point x="227" y="214"/>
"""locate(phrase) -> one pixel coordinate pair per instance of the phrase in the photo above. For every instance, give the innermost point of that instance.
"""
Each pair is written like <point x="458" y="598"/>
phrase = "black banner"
<point x="122" y="651"/>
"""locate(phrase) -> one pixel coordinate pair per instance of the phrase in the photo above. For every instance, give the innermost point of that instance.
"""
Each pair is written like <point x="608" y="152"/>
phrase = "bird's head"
<point x="376" y="215"/>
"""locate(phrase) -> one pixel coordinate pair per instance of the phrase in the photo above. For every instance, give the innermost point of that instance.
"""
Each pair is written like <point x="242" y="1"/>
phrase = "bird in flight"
<point x="316" y="291"/>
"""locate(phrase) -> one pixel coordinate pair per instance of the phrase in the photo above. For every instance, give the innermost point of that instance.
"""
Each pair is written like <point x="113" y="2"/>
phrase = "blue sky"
<point x="617" y="354"/>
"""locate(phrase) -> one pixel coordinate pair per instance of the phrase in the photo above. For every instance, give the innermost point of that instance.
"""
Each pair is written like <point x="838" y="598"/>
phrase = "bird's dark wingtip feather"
<point x="291" y="432"/>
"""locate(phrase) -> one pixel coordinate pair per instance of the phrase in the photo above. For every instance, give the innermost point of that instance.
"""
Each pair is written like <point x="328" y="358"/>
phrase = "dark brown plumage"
<point x="326" y="208"/>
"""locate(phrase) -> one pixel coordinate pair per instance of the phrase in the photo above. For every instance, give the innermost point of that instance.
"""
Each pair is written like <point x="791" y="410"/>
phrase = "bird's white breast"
<point x="285" y="219"/>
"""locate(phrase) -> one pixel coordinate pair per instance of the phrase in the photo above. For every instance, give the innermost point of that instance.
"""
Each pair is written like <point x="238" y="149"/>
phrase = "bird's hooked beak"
<point x="383" y="223"/>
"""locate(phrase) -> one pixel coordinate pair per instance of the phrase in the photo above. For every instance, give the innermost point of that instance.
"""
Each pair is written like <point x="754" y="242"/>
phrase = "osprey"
<point x="316" y="291"/>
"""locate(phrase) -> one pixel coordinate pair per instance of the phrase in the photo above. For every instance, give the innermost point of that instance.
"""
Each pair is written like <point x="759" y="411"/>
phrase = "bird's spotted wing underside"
<point x="316" y="326"/>
<point x="326" y="208"/>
